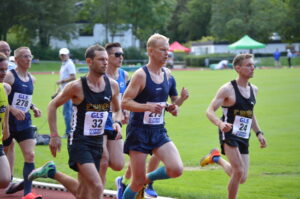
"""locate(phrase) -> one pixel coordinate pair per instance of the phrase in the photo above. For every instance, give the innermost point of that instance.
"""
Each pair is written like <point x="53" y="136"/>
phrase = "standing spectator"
<point x="289" y="56"/>
<point x="67" y="74"/>
<point x="5" y="49"/>
<point x="276" y="55"/>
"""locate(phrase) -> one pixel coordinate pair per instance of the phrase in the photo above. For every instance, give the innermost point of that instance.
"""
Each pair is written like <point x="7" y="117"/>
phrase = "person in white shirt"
<point x="67" y="74"/>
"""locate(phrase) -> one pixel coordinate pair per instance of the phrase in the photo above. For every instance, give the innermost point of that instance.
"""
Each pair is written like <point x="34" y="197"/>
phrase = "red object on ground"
<point x="177" y="47"/>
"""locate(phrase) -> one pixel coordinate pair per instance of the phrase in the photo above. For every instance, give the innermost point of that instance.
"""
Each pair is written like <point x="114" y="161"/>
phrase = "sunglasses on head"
<point x="119" y="54"/>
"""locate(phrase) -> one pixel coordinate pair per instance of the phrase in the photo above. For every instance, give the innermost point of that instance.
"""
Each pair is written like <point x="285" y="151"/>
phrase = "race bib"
<point x="154" y="118"/>
<point x="22" y="101"/>
<point x="94" y="123"/>
<point x="242" y="126"/>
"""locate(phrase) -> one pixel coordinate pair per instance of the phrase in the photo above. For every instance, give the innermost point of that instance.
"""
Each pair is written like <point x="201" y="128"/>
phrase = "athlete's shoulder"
<point x="7" y="88"/>
<point x="9" y="78"/>
<point x="255" y="88"/>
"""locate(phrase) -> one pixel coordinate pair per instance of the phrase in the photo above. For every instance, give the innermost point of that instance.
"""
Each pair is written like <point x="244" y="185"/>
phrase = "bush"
<point x="206" y="60"/>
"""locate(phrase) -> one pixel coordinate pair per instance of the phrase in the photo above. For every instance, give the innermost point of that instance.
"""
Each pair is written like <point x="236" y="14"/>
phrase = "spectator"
<point x="276" y="55"/>
<point x="289" y="56"/>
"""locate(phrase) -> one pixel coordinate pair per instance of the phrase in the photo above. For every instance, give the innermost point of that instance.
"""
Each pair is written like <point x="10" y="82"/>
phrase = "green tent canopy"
<point x="246" y="42"/>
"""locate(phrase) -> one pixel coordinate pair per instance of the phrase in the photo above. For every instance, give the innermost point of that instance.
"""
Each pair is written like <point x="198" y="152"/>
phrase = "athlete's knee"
<point x="243" y="179"/>
<point x="117" y="165"/>
<point x="238" y="172"/>
<point x="4" y="183"/>
<point x="29" y="156"/>
<point x="97" y="187"/>
<point x="138" y="184"/>
<point x="175" y="171"/>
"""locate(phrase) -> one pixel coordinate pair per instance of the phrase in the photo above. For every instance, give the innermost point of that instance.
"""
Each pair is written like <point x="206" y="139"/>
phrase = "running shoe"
<point x="120" y="187"/>
<point x="140" y="194"/>
<point x="32" y="196"/>
<point x="208" y="159"/>
<point x="150" y="192"/>
<point x="46" y="171"/>
<point x="14" y="187"/>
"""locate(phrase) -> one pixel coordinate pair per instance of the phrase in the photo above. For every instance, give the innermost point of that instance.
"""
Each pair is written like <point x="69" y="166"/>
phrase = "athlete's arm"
<point x="68" y="93"/>
<point x="116" y="109"/>
<point x="255" y="127"/>
<point x="218" y="100"/>
<point x="6" y="125"/>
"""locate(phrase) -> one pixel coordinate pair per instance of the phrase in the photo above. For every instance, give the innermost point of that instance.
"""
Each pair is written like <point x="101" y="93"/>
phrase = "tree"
<point x="231" y="19"/>
<point x="290" y="28"/>
<point x="50" y="18"/>
<point x="10" y="13"/>
<point x="195" y="21"/>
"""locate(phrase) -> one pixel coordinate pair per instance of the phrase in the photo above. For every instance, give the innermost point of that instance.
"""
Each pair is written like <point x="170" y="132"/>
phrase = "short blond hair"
<point x="154" y="38"/>
<point x="17" y="51"/>
<point x="237" y="61"/>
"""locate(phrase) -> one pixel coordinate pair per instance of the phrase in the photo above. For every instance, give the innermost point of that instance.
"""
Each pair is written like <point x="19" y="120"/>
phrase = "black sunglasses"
<point x="119" y="54"/>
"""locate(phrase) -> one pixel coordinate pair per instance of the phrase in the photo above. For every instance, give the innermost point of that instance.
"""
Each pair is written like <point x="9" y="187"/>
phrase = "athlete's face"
<point x="99" y="63"/>
<point x="4" y="48"/>
<point x="3" y="70"/>
<point x="247" y="68"/>
<point x="159" y="53"/>
<point x="115" y="57"/>
<point x="24" y="58"/>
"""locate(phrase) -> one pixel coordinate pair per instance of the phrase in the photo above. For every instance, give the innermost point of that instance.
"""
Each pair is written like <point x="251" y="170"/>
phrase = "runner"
<point x="237" y="99"/>
<point x="146" y="98"/>
<point x="91" y="96"/>
<point x="5" y="173"/>
<point x="20" y="101"/>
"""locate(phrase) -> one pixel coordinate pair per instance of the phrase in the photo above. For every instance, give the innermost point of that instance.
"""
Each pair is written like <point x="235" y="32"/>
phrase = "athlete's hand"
<point x="184" y="93"/>
<point x="117" y="128"/>
<point x="262" y="141"/>
<point x="18" y="114"/>
<point x="225" y="127"/>
<point x="155" y="108"/>
<point x="173" y="109"/>
<point x="36" y="112"/>
<point x="125" y="118"/>
<point x="54" y="145"/>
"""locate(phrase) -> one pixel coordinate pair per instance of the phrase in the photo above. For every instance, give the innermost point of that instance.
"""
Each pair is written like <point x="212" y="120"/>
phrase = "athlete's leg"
<point x="10" y="154"/>
<point x="116" y="156"/>
<point x="5" y="174"/>
<point x="170" y="156"/>
<point x="27" y="147"/>
<point x="138" y="169"/>
<point x="104" y="161"/>
<point x="89" y="177"/>
<point x="69" y="182"/>
<point x="245" y="158"/>
<point x="153" y="163"/>
<point x="237" y="173"/>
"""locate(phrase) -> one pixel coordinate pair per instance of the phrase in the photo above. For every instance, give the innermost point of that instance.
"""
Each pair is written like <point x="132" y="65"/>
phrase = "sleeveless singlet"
<point x="240" y="114"/>
<point x="20" y="97"/>
<point x="89" y="117"/>
<point x="152" y="93"/>
<point x="3" y="107"/>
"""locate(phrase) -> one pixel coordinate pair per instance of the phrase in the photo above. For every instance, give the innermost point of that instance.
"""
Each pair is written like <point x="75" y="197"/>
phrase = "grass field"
<point x="274" y="172"/>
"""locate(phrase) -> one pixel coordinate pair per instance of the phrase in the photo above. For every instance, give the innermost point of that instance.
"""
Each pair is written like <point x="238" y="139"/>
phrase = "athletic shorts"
<point x="1" y="150"/>
<point x="111" y="134"/>
<point x="144" y="139"/>
<point x="83" y="153"/>
<point x="20" y="136"/>
<point x="234" y="141"/>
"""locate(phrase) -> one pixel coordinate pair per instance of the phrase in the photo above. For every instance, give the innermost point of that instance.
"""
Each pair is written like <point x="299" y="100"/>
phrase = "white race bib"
<point x="154" y="118"/>
<point x="242" y="126"/>
<point x="94" y="123"/>
<point x="22" y="101"/>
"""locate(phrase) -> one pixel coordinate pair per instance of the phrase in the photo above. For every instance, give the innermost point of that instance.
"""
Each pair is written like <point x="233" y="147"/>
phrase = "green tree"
<point x="50" y="18"/>
<point x="291" y="25"/>
<point x="10" y="13"/>
<point x="148" y="16"/>
<point x="231" y="19"/>
<point x="195" y="21"/>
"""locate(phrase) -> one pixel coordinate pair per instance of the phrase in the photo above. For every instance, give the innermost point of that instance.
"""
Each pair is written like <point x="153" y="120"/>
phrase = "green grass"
<point x="274" y="172"/>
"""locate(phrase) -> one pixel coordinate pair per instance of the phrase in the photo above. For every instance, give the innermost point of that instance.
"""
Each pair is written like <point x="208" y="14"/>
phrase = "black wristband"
<point x="120" y="123"/>
<point x="31" y="106"/>
<point x="259" y="132"/>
